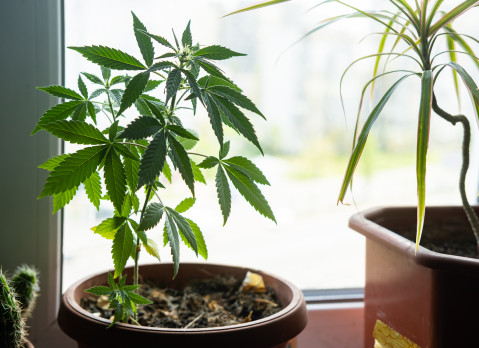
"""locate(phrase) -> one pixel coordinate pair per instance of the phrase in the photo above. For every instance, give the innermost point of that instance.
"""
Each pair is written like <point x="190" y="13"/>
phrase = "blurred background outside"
<point x="306" y="138"/>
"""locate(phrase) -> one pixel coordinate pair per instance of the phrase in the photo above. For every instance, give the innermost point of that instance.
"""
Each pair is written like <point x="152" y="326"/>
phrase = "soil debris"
<point x="213" y="302"/>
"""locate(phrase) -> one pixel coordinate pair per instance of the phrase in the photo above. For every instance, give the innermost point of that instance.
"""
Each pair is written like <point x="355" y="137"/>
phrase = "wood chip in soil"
<point x="212" y="302"/>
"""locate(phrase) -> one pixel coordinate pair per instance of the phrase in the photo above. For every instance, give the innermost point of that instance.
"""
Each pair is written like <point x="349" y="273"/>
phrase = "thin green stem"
<point x="137" y="251"/>
<point x="197" y="154"/>
<point x="110" y="105"/>
<point x="471" y="215"/>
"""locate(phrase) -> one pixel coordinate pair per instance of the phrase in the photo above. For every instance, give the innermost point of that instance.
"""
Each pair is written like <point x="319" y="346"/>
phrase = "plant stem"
<point x="471" y="215"/>
<point x="137" y="252"/>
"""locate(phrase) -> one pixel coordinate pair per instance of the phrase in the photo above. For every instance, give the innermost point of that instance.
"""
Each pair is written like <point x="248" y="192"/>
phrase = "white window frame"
<point x="31" y="35"/>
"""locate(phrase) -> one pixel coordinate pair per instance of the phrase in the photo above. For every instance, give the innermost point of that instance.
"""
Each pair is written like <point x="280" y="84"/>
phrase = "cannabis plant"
<point x="130" y="162"/>
<point x="419" y="33"/>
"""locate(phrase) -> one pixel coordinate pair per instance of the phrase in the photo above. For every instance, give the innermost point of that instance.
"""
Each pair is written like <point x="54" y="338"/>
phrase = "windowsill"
<point x="333" y="325"/>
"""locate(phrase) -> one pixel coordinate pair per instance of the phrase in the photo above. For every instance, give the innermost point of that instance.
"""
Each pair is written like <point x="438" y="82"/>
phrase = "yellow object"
<point x="386" y="337"/>
<point x="253" y="281"/>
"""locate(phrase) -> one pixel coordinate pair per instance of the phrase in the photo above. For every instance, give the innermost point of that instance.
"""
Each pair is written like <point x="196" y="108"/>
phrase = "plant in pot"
<point x="130" y="163"/>
<point x="422" y="293"/>
<point x="17" y="301"/>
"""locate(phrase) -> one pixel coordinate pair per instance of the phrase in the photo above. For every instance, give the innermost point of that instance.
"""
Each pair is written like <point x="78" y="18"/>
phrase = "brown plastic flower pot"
<point x="430" y="298"/>
<point x="274" y="331"/>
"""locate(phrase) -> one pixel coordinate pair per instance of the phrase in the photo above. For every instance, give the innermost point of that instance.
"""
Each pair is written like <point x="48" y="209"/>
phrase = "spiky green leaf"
<point x="76" y="132"/>
<point x="182" y="162"/>
<point x="115" y="179"/>
<point x="209" y="162"/>
<point x="235" y="97"/>
<point x="109" y="57"/>
<point x="184" y="228"/>
<point x="200" y="240"/>
<point x="93" y="189"/>
<point x="153" y="160"/>
<point x="224" y="193"/>
<point x="133" y="90"/>
<point x="99" y="290"/>
<point x="173" y="83"/>
<point x="93" y="78"/>
<point x="158" y="39"/>
<point x="217" y="52"/>
<point x="143" y="41"/>
<point x="57" y="113"/>
<point x="185" y="204"/>
<point x="74" y="170"/>
<point x="63" y="198"/>
<point x="121" y="247"/>
<point x="174" y="241"/>
<point x="142" y="127"/>
<point x="61" y="92"/>
<point x="186" y="38"/>
<point x="108" y="227"/>
<point x="152" y="216"/>
<point x="53" y="162"/>
<point x="248" y="168"/>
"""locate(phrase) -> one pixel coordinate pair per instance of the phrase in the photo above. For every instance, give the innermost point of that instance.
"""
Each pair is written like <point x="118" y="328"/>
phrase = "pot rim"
<point x="363" y="222"/>
<point x="297" y="300"/>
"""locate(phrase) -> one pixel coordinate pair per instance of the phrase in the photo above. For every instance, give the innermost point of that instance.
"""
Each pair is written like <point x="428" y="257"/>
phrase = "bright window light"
<point x="306" y="138"/>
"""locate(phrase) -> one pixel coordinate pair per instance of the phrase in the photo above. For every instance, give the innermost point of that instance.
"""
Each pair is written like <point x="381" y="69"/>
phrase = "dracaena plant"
<point x="130" y="162"/>
<point x="421" y="34"/>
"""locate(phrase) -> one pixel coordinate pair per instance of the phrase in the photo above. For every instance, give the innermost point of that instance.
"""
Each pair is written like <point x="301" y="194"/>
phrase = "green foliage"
<point x="413" y="31"/>
<point x="122" y="297"/>
<point x="127" y="158"/>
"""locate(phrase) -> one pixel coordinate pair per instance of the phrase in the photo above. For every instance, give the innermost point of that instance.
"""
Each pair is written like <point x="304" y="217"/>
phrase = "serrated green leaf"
<point x="63" y="198"/>
<point x="182" y="162"/>
<point x="82" y="87"/>
<point x="209" y="162"/>
<point x="99" y="290"/>
<point x="144" y="41"/>
<point x="61" y="92"/>
<point x="217" y="52"/>
<point x="240" y="122"/>
<point x="200" y="240"/>
<point x="53" y="162"/>
<point x="126" y="207"/>
<point x="76" y="132"/>
<point x="119" y="79"/>
<point x="131" y="171"/>
<point x="80" y="112"/>
<point x="115" y="179"/>
<point x="158" y="39"/>
<point x="174" y="241"/>
<point x="236" y="98"/>
<point x="151" y="217"/>
<point x="57" y="113"/>
<point x="210" y="81"/>
<point x="133" y="90"/>
<point x="125" y="152"/>
<point x="116" y="95"/>
<point x="197" y="174"/>
<point x="156" y="109"/>
<point x="138" y="299"/>
<point x="210" y="68"/>
<point x="186" y="233"/>
<point x="120" y="250"/>
<point x="93" y="189"/>
<point x="91" y="111"/>
<point x="152" y="249"/>
<point x="142" y="127"/>
<point x="74" y="170"/>
<point x="215" y="118"/>
<point x="185" y="204"/>
<point x="109" y="57"/>
<point x="153" y="159"/>
<point x="224" y="150"/>
<point x="93" y="78"/>
<point x="186" y="38"/>
<point x="108" y="227"/>
<point x="173" y="83"/>
<point x="96" y="93"/>
<point x="247" y="188"/>
<point x="248" y="168"/>
<point x="182" y="132"/>
<point x="167" y="172"/>
<point x="152" y="84"/>
<point x="224" y="193"/>
<point x="105" y="72"/>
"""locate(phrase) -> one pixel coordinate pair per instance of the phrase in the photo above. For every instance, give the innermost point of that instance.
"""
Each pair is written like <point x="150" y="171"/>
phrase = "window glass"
<point x="306" y="138"/>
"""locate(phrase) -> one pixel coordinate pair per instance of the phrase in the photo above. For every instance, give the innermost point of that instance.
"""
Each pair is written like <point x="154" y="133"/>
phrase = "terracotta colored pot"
<point x="428" y="297"/>
<point x="274" y="331"/>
